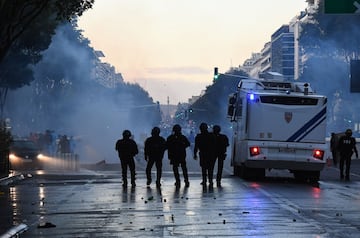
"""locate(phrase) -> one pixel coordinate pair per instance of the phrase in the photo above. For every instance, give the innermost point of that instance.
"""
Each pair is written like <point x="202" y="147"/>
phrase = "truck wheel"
<point x="244" y="172"/>
<point x="300" y="176"/>
<point x="259" y="173"/>
<point x="314" y="176"/>
<point x="304" y="176"/>
<point x="253" y="173"/>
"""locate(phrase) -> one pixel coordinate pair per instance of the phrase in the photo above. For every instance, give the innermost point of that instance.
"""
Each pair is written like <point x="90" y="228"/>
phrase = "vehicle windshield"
<point x="25" y="144"/>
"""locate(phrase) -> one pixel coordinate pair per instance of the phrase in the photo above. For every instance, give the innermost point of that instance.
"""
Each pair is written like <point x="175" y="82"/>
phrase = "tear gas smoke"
<point x="67" y="98"/>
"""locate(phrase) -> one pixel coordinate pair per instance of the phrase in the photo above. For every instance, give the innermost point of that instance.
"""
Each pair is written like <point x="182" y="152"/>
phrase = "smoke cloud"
<point x="69" y="98"/>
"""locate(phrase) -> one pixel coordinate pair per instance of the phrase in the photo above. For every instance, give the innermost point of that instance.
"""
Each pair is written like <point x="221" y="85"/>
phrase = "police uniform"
<point x="222" y="142"/>
<point x="205" y="144"/>
<point x="347" y="147"/>
<point x="176" y="145"/>
<point x="127" y="149"/>
<point x="154" y="152"/>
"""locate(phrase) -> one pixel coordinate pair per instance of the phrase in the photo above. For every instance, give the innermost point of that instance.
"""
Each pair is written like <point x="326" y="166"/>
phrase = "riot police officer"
<point x="347" y="147"/>
<point x="176" y="145"/>
<point x="127" y="149"/>
<point x="205" y="144"/>
<point x="154" y="149"/>
<point x="222" y="142"/>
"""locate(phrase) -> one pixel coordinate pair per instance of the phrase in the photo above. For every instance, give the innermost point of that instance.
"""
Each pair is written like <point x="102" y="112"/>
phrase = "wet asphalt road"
<point x="93" y="204"/>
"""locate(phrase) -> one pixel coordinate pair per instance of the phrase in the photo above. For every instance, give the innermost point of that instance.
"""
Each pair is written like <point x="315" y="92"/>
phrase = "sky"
<point x="170" y="47"/>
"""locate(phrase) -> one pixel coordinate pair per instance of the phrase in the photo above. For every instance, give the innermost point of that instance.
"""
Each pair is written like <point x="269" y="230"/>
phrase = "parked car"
<point x="25" y="155"/>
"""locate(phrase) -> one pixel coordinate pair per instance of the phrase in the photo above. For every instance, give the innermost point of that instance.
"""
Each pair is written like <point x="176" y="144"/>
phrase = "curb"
<point x="11" y="179"/>
<point x="15" y="231"/>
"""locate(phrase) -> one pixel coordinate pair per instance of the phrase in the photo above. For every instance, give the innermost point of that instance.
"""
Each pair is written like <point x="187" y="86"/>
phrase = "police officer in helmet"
<point x="347" y="147"/>
<point x="176" y="145"/>
<point x="127" y="149"/>
<point x="154" y="149"/>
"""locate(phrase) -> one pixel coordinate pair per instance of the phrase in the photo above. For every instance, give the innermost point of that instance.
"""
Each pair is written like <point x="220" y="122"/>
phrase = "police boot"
<point x="203" y="183"/>
<point x="133" y="184"/>
<point x="178" y="183"/>
<point x="124" y="183"/>
<point x="210" y="180"/>
<point x="187" y="183"/>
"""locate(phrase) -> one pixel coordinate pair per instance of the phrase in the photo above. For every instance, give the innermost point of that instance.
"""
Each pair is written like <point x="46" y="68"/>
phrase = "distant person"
<point x="176" y="145"/>
<point x="48" y="142"/>
<point x="221" y="144"/>
<point x="205" y="144"/>
<point x="57" y="142"/>
<point x="333" y="148"/>
<point x="347" y="147"/>
<point x="33" y="137"/>
<point x="127" y="149"/>
<point x="154" y="149"/>
<point x="64" y="145"/>
<point x="191" y="138"/>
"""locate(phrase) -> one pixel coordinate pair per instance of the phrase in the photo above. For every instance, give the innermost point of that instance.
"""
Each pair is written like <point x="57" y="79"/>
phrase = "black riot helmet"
<point x="216" y="129"/>
<point x="155" y="131"/>
<point x="126" y="134"/>
<point x="348" y="132"/>
<point x="203" y="126"/>
<point x="176" y="128"/>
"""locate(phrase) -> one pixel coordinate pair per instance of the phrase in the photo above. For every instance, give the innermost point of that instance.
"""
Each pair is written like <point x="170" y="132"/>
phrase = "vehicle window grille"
<point x="288" y="100"/>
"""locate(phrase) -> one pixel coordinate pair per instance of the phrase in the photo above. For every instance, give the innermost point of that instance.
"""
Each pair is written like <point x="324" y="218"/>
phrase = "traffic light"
<point x="216" y="74"/>
<point x="191" y="110"/>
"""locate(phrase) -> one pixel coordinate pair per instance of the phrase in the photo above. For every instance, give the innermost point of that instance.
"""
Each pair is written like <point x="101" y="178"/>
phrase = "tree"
<point x="20" y="46"/>
<point x="70" y="96"/>
<point x="26" y="28"/>
<point x="212" y="106"/>
<point x="17" y="16"/>
<point x="334" y="35"/>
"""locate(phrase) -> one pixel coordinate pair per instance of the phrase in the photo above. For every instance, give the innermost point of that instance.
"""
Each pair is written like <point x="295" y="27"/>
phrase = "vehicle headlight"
<point x="12" y="156"/>
<point x="40" y="156"/>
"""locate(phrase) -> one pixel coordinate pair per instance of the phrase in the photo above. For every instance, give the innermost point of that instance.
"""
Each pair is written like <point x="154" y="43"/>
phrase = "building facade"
<point x="282" y="52"/>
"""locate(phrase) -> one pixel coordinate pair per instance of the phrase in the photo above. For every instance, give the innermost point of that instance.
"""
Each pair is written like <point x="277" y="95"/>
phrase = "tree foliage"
<point x="212" y="106"/>
<point x="26" y="28"/>
<point x="329" y="42"/>
<point x="18" y="16"/>
<point x="331" y="34"/>
<point x="66" y="87"/>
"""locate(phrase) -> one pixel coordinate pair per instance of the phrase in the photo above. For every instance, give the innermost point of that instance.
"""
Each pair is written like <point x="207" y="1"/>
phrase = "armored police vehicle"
<point x="277" y="124"/>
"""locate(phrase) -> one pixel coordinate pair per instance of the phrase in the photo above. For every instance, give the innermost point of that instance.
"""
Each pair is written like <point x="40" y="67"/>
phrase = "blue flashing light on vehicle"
<point x="251" y="96"/>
